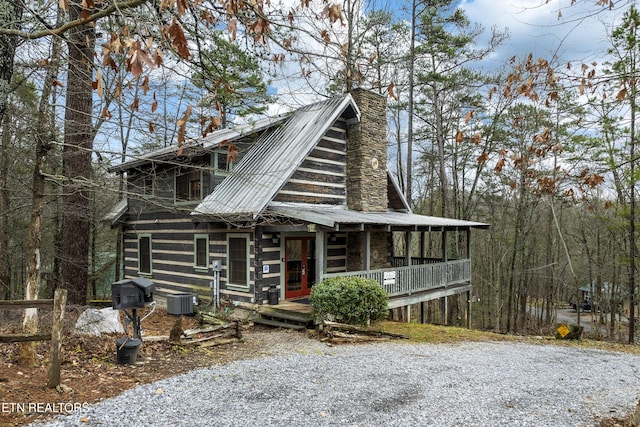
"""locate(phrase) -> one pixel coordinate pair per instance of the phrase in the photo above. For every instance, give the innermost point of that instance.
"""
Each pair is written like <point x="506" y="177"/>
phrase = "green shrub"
<point x="351" y="300"/>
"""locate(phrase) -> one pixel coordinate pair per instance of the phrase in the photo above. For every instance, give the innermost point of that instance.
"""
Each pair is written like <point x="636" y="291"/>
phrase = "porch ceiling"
<point x="333" y="216"/>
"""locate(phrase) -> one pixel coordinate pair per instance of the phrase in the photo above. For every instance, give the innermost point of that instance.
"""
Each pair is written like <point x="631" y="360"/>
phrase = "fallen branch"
<point x="155" y="338"/>
<point x="211" y="319"/>
<point x="222" y="341"/>
<point x="199" y="340"/>
<point x="191" y="332"/>
<point x="335" y="326"/>
<point x="336" y="336"/>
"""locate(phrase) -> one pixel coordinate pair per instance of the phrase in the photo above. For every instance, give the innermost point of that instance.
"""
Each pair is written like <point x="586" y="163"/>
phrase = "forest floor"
<point x="90" y="373"/>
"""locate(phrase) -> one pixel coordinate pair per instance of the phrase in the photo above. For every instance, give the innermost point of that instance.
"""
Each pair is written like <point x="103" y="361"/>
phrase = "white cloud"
<point x="572" y="32"/>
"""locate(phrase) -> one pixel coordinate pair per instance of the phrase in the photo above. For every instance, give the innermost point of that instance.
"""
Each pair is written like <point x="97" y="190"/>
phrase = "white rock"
<point x="97" y="322"/>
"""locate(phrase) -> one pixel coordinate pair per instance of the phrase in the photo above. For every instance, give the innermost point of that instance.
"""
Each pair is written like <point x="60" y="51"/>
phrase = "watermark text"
<point x="41" y="407"/>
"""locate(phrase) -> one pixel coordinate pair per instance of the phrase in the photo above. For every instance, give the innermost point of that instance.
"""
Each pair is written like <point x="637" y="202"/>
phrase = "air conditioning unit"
<point x="180" y="304"/>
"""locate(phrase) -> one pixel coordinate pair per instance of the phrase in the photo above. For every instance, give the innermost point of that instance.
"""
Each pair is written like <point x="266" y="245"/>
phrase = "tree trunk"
<point x="27" y="353"/>
<point x="410" y="106"/>
<point x="10" y="17"/>
<point x="76" y="160"/>
<point x="5" y="281"/>
<point x="632" y="206"/>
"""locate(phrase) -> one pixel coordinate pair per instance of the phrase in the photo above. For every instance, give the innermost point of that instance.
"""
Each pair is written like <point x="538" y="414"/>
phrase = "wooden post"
<point x="468" y="309"/>
<point x="407" y="254"/>
<point x="367" y="250"/>
<point x="321" y="250"/>
<point x="59" y="301"/>
<point x="444" y="310"/>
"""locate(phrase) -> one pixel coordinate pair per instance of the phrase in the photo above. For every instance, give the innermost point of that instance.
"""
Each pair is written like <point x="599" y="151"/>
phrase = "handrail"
<point x="416" y="278"/>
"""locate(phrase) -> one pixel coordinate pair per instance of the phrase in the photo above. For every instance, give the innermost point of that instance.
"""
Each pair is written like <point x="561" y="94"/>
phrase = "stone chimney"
<point x="367" y="154"/>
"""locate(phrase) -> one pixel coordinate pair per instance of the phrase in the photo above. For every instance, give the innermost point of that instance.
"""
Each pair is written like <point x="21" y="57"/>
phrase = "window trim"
<point x="150" y="248"/>
<point x="148" y="187"/>
<point x="247" y="238"/>
<point x="182" y="171"/>
<point x="216" y="169"/>
<point x="201" y="268"/>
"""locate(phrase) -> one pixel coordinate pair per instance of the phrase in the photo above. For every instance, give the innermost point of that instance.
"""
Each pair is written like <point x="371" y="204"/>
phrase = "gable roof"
<point x="208" y="142"/>
<point x="275" y="156"/>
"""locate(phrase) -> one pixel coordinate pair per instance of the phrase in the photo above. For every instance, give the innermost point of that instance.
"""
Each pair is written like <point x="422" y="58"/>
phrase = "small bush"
<point x="351" y="300"/>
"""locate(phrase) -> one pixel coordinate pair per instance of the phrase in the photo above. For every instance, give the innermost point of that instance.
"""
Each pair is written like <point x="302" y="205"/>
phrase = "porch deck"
<point x="417" y="283"/>
<point x="405" y="285"/>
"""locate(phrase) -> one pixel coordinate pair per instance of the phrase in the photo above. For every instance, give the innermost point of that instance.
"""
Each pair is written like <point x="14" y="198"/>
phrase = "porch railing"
<point x="400" y="261"/>
<point x="398" y="281"/>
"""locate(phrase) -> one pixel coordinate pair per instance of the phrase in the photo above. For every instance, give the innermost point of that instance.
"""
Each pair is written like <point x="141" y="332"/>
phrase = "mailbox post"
<point x="132" y="294"/>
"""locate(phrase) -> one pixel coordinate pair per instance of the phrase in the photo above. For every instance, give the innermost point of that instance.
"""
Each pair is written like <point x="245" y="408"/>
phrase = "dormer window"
<point x="147" y="186"/>
<point x="222" y="166"/>
<point x="188" y="185"/>
<point x="192" y="184"/>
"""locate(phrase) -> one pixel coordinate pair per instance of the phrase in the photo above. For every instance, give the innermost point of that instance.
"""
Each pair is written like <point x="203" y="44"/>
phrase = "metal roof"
<point x="116" y="212"/>
<point x="273" y="159"/>
<point x="208" y="142"/>
<point x="335" y="215"/>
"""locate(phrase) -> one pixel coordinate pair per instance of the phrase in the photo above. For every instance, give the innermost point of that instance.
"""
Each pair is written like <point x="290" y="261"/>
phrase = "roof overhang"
<point x="116" y="212"/>
<point x="335" y="217"/>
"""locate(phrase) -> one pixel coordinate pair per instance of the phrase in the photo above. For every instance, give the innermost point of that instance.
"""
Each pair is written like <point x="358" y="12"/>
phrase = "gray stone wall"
<point x="379" y="247"/>
<point x="367" y="155"/>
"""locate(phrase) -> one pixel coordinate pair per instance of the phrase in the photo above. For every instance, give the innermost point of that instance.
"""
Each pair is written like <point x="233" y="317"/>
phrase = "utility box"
<point x="180" y="304"/>
<point x="131" y="293"/>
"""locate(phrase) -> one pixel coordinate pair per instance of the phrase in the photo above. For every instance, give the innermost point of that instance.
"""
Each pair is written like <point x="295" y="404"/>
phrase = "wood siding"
<point x="336" y="259"/>
<point x="267" y="258"/>
<point x="172" y="255"/>
<point x="321" y="178"/>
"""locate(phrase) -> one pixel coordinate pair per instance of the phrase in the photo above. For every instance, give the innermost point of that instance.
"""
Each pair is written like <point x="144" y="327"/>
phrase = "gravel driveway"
<point x="306" y="383"/>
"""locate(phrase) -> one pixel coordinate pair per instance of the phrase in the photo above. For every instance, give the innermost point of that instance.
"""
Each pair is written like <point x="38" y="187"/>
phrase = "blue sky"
<point x="575" y="33"/>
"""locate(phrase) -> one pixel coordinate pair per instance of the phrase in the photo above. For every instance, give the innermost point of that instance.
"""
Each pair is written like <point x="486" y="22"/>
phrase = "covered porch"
<point x="414" y="258"/>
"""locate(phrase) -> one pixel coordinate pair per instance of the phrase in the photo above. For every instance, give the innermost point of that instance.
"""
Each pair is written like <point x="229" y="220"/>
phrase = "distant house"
<point x="307" y="197"/>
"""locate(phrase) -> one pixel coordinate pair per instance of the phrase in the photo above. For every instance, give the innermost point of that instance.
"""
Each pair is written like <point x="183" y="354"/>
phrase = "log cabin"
<point x="257" y="214"/>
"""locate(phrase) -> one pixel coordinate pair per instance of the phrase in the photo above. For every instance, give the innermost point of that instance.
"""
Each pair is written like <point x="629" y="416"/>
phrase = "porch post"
<point x="468" y="309"/>
<point x="469" y="292"/>
<point x="367" y="250"/>
<point x="408" y="248"/>
<point x="444" y="310"/>
<point x="321" y="237"/>
<point x="445" y="254"/>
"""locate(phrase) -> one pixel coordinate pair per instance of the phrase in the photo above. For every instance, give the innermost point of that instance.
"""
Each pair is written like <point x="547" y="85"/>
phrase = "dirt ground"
<point x="89" y="371"/>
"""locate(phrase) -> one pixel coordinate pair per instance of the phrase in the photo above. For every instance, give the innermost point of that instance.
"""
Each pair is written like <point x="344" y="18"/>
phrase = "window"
<point x="188" y="185"/>
<point x="192" y="184"/>
<point x="222" y="167"/>
<point x="144" y="254"/>
<point x="142" y="185"/>
<point x="201" y="251"/>
<point x="147" y="186"/>
<point x="238" y="261"/>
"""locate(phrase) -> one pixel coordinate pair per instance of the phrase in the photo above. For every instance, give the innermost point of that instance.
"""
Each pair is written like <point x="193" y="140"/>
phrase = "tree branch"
<point x="57" y="31"/>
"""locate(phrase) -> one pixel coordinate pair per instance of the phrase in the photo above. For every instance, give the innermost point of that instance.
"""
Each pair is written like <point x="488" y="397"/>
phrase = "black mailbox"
<point x="131" y="293"/>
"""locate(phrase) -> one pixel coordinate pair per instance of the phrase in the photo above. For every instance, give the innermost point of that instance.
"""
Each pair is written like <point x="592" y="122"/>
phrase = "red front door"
<point x="299" y="255"/>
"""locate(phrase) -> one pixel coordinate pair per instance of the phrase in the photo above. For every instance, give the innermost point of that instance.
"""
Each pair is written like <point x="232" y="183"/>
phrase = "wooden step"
<point x="285" y="315"/>
<point x="275" y="323"/>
